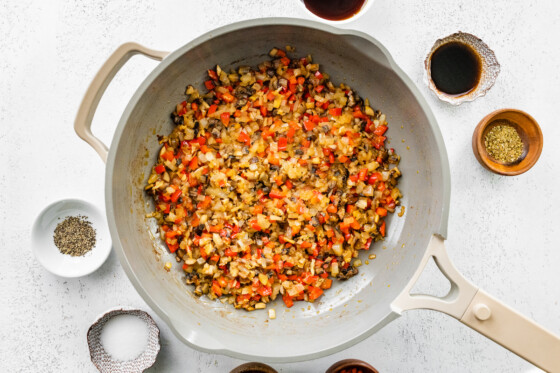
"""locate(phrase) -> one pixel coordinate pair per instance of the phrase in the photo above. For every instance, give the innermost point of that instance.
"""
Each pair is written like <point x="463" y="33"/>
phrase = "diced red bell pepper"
<point x="288" y="301"/>
<point x="222" y="282"/>
<point x="314" y="292"/>
<point x="258" y="209"/>
<point x="265" y="291"/>
<point x="332" y="209"/>
<point x="168" y="156"/>
<point x="209" y="85"/>
<point x="204" y="204"/>
<point x="327" y="283"/>
<point x="381" y="211"/>
<point x="378" y="141"/>
<point x="319" y="88"/>
<point x="335" y="112"/>
<point x="225" y="118"/>
<point x="380" y="130"/>
<point x="173" y="248"/>
<point x="212" y="74"/>
<point x="289" y="184"/>
<point x="374" y="177"/>
<point x="229" y="252"/>
<point x="343" y="159"/>
<point x="282" y="143"/>
<point x="308" y="278"/>
<point x="199" y="140"/>
<point x="160" y="169"/>
<point x="362" y="174"/>
<point x="270" y="96"/>
<point x="358" y="114"/>
<point x="216" y="289"/>
<point x="308" y="125"/>
<point x="175" y="196"/>
<point x="292" y="87"/>
<point x="243" y="298"/>
<point x="212" y="109"/>
<point x="243" y="137"/>
<point x="382" y="229"/>
<point x="228" y="97"/>
<point x="193" y="164"/>
<point x="276" y="194"/>
<point x="266" y="132"/>
<point x="318" y="75"/>
<point x="291" y="132"/>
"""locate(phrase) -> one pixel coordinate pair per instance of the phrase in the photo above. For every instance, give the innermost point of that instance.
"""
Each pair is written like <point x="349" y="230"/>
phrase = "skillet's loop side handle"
<point x="82" y="123"/>
<point x="455" y="302"/>
<point x="483" y="313"/>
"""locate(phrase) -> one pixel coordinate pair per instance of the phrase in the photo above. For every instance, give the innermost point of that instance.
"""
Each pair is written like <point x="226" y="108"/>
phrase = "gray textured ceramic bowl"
<point x="101" y="358"/>
<point x="490" y="68"/>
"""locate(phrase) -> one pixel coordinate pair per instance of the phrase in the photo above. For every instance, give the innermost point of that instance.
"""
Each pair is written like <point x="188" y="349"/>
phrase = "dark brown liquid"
<point x="455" y="68"/>
<point x="335" y="10"/>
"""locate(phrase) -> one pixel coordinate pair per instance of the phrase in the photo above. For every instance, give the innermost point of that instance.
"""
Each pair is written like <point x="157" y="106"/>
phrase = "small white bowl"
<point x="49" y="255"/>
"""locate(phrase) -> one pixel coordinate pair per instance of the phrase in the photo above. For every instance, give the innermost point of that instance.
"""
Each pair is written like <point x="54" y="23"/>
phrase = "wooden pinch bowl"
<point x="254" y="367"/>
<point x="527" y="128"/>
<point x="349" y="364"/>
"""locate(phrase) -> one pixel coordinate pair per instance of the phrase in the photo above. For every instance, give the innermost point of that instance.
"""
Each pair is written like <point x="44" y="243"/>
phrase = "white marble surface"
<point x="503" y="232"/>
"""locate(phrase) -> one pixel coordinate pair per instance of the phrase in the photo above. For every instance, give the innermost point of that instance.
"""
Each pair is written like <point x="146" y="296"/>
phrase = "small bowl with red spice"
<point x="70" y="238"/>
<point x="507" y="142"/>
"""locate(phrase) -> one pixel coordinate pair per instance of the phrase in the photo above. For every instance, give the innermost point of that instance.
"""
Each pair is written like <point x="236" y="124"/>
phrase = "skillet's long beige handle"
<point x="507" y="327"/>
<point x="482" y="312"/>
<point x="82" y="124"/>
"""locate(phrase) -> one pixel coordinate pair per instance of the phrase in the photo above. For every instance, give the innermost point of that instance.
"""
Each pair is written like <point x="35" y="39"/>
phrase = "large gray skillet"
<point x="352" y="310"/>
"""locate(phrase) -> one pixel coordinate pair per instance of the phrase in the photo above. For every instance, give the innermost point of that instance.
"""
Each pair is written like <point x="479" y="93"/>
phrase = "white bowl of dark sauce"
<point x="336" y="11"/>
<point x="460" y="68"/>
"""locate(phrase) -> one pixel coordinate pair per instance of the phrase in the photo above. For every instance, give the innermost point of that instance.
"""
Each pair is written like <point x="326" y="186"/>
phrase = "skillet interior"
<point x="351" y="310"/>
